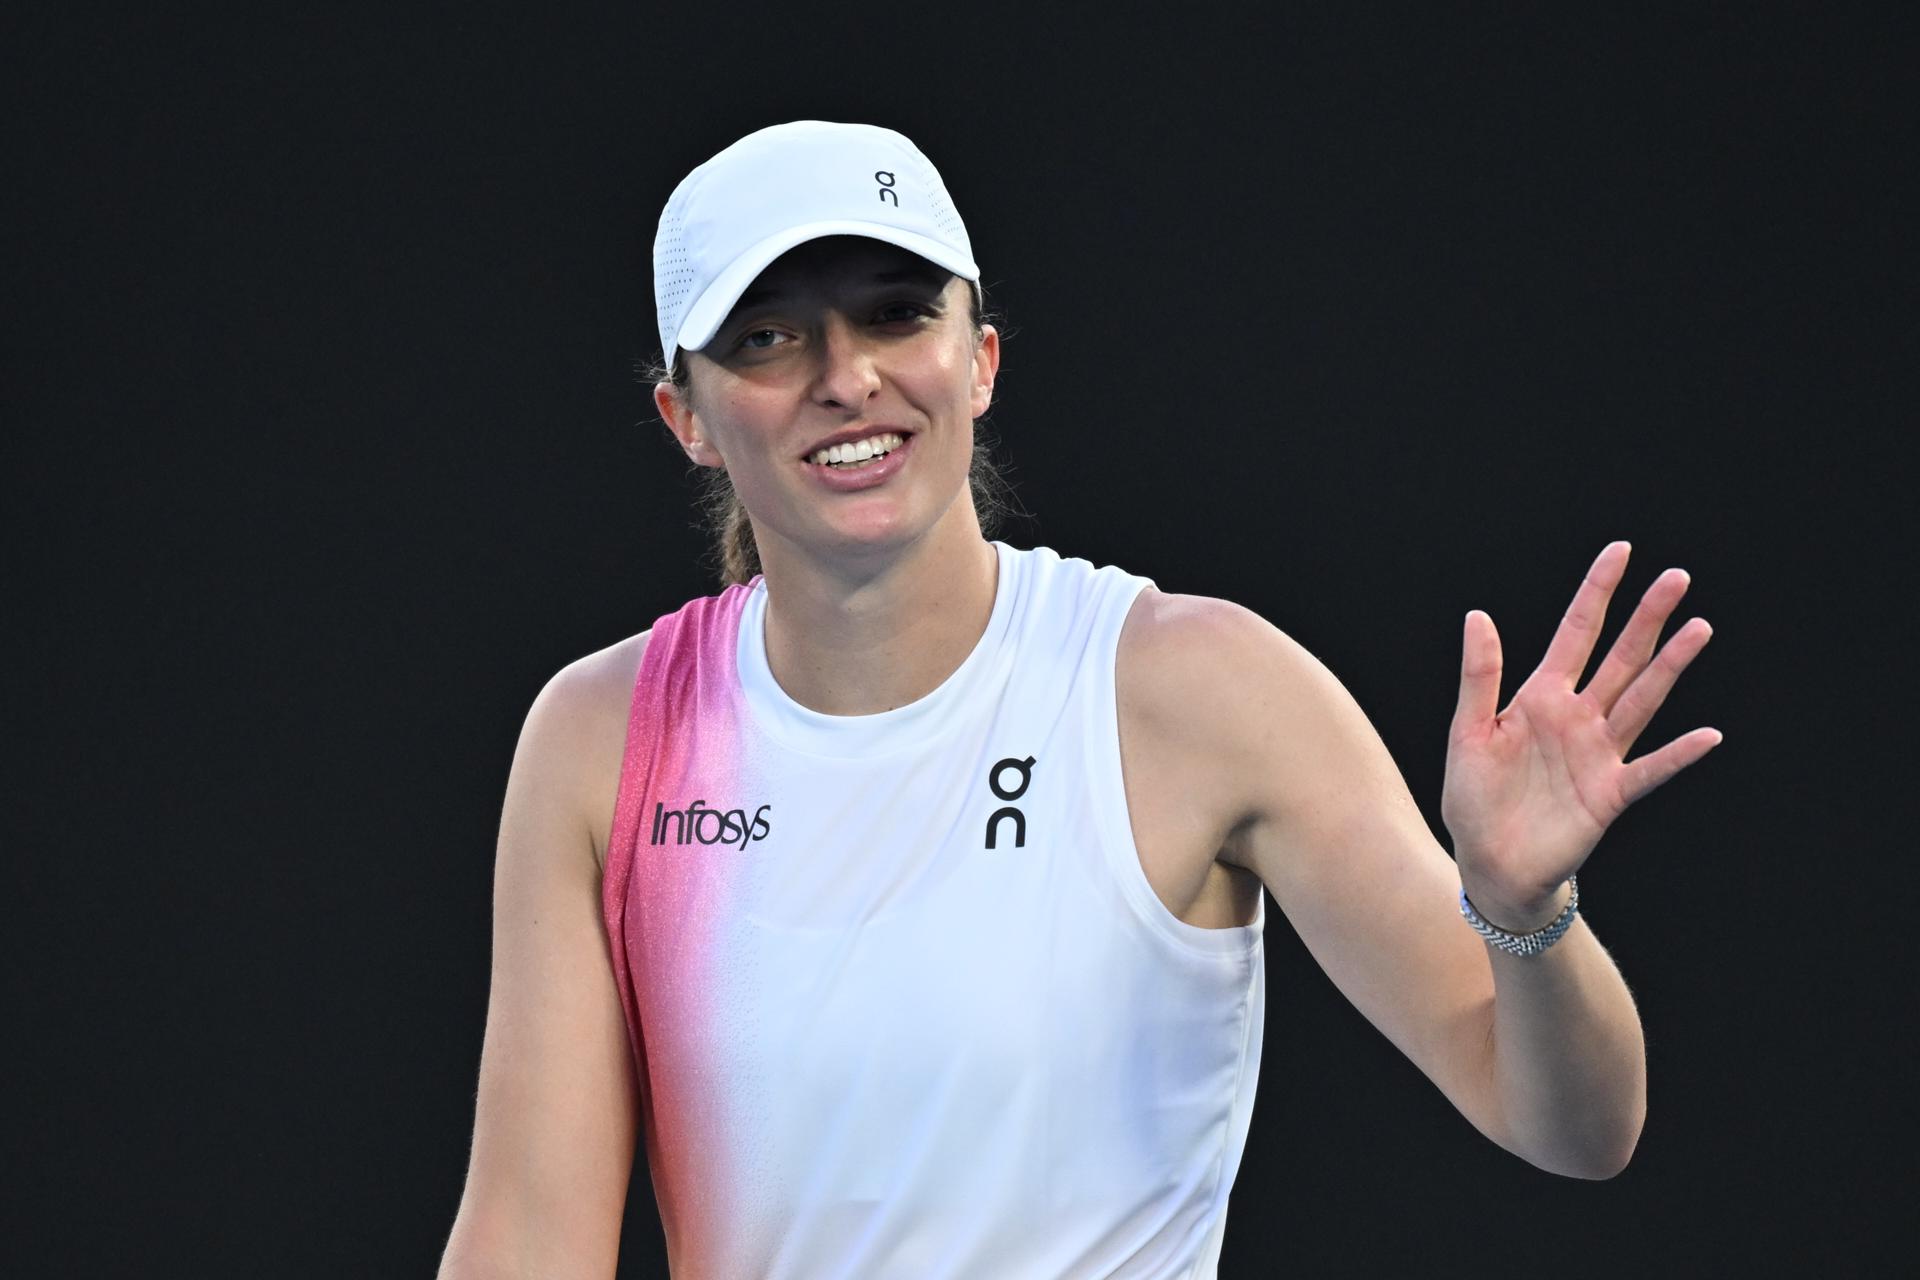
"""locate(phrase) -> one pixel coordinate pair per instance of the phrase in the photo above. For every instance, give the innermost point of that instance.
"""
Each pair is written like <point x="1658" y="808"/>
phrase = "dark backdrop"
<point x="325" y="451"/>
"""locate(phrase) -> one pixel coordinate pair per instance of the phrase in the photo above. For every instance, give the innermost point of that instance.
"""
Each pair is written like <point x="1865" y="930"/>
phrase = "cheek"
<point x="734" y="424"/>
<point x="948" y="385"/>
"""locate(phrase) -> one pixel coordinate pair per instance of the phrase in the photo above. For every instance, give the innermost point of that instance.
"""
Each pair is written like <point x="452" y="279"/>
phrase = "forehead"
<point x="833" y="262"/>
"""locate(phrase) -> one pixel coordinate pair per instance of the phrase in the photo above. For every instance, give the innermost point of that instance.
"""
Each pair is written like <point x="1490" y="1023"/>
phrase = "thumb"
<point x="1479" y="673"/>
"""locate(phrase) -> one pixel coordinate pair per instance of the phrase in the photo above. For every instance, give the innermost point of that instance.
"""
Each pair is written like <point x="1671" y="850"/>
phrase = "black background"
<point x="324" y="451"/>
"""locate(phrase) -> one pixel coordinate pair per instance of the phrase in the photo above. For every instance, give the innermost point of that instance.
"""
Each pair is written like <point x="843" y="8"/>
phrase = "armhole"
<point x="1110" y="795"/>
<point x="616" y="874"/>
<point x="630" y="780"/>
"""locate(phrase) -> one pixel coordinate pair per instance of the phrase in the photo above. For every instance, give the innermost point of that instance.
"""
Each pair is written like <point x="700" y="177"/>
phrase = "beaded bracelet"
<point x="1524" y="944"/>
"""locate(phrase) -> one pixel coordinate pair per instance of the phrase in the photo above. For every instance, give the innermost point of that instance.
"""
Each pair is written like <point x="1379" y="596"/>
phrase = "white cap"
<point x="782" y="186"/>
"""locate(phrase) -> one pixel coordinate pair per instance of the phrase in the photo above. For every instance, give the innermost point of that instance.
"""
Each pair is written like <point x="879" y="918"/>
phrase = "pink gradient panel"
<point x="664" y="901"/>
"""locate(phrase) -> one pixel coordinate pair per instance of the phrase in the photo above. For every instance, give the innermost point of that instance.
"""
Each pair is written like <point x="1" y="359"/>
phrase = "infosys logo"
<point x="697" y="824"/>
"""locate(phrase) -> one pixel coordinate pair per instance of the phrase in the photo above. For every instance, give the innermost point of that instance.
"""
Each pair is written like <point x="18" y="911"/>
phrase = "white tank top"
<point x="901" y="998"/>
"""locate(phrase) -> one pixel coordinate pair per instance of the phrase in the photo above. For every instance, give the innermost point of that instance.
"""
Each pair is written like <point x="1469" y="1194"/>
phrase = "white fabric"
<point x="779" y="187"/>
<point x="967" y="1062"/>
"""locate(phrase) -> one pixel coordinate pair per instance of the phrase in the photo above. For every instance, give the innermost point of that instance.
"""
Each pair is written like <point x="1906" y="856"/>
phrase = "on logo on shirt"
<point x="1025" y="768"/>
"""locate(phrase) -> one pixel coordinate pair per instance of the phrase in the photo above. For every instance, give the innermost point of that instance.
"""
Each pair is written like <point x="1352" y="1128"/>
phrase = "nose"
<point x="847" y="376"/>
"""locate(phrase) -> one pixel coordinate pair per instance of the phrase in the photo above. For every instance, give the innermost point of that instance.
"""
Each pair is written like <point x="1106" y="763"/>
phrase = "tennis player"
<point x="905" y="896"/>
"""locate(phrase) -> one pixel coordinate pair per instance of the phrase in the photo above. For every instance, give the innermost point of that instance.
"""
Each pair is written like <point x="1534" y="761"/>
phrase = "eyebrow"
<point x="929" y="275"/>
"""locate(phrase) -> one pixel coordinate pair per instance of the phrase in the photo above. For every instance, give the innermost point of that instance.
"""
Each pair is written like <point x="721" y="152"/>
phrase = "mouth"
<point x="860" y="464"/>
<point x="854" y="455"/>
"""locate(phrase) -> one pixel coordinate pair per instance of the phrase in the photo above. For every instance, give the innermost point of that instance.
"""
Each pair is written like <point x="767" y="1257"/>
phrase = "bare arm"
<point x="1570" y="1062"/>
<point x="555" y="1123"/>
<point x="1547" y="1062"/>
<point x="1529" y="792"/>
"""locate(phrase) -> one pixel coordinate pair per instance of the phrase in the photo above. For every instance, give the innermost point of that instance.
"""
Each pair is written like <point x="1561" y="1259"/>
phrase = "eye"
<point x="747" y="339"/>
<point x="912" y="309"/>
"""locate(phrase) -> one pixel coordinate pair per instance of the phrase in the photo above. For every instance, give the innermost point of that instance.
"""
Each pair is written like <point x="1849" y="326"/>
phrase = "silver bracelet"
<point x="1524" y="944"/>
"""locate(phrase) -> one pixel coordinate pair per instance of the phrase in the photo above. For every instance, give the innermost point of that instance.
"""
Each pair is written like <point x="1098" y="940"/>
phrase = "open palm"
<point x="1530" y="790"/>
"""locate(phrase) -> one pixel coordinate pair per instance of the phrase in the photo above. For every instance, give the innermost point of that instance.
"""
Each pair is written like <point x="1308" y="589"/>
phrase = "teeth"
<point x="858" y="451"/>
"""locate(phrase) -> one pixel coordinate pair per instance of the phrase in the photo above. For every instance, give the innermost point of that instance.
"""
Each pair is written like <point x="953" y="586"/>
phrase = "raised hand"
<point x="1530" y="790"/>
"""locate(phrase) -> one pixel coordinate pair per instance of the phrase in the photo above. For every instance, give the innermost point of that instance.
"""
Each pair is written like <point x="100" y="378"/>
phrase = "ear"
<point x="986" y="366"/>
<point x="681" y="419"/>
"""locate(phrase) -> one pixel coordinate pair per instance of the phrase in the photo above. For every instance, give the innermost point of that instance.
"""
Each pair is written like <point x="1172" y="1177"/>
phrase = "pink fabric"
<point x="663" y="903"/>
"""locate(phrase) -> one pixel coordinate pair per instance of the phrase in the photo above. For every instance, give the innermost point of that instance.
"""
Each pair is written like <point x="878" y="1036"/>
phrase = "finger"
<point x="1572" y="644"/>
<point x="1649" y="689"/>
<point x="1479" y="672"/>
<point x="1654" y="768"/>
<point x="1633" y="648"/>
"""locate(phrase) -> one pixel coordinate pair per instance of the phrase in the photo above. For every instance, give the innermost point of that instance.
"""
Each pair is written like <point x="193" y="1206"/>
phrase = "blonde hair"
<point x="734" y="554"/>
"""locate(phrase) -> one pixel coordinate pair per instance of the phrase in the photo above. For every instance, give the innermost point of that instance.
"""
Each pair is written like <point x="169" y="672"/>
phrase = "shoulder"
<point x="591" y="689"/>
<point x="1165" y="623"/>
<point x="578" y="726"/>
<point x="1202" y="658"/>
<point x="1224" y="687"/>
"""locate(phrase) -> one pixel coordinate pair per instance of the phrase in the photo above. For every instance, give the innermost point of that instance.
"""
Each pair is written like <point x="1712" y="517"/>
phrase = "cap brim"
<point x="709" y="310"/>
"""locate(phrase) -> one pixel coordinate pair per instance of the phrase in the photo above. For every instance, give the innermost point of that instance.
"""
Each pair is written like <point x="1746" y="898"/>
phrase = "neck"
<point x="856" y="640"/>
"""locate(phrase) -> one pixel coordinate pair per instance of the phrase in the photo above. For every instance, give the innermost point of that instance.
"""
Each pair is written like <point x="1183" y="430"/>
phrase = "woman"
<point x="907" y="894"/>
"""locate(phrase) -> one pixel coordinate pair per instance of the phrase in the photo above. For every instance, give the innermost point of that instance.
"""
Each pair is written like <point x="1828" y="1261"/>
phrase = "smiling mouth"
<point x="858" y="453"/>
